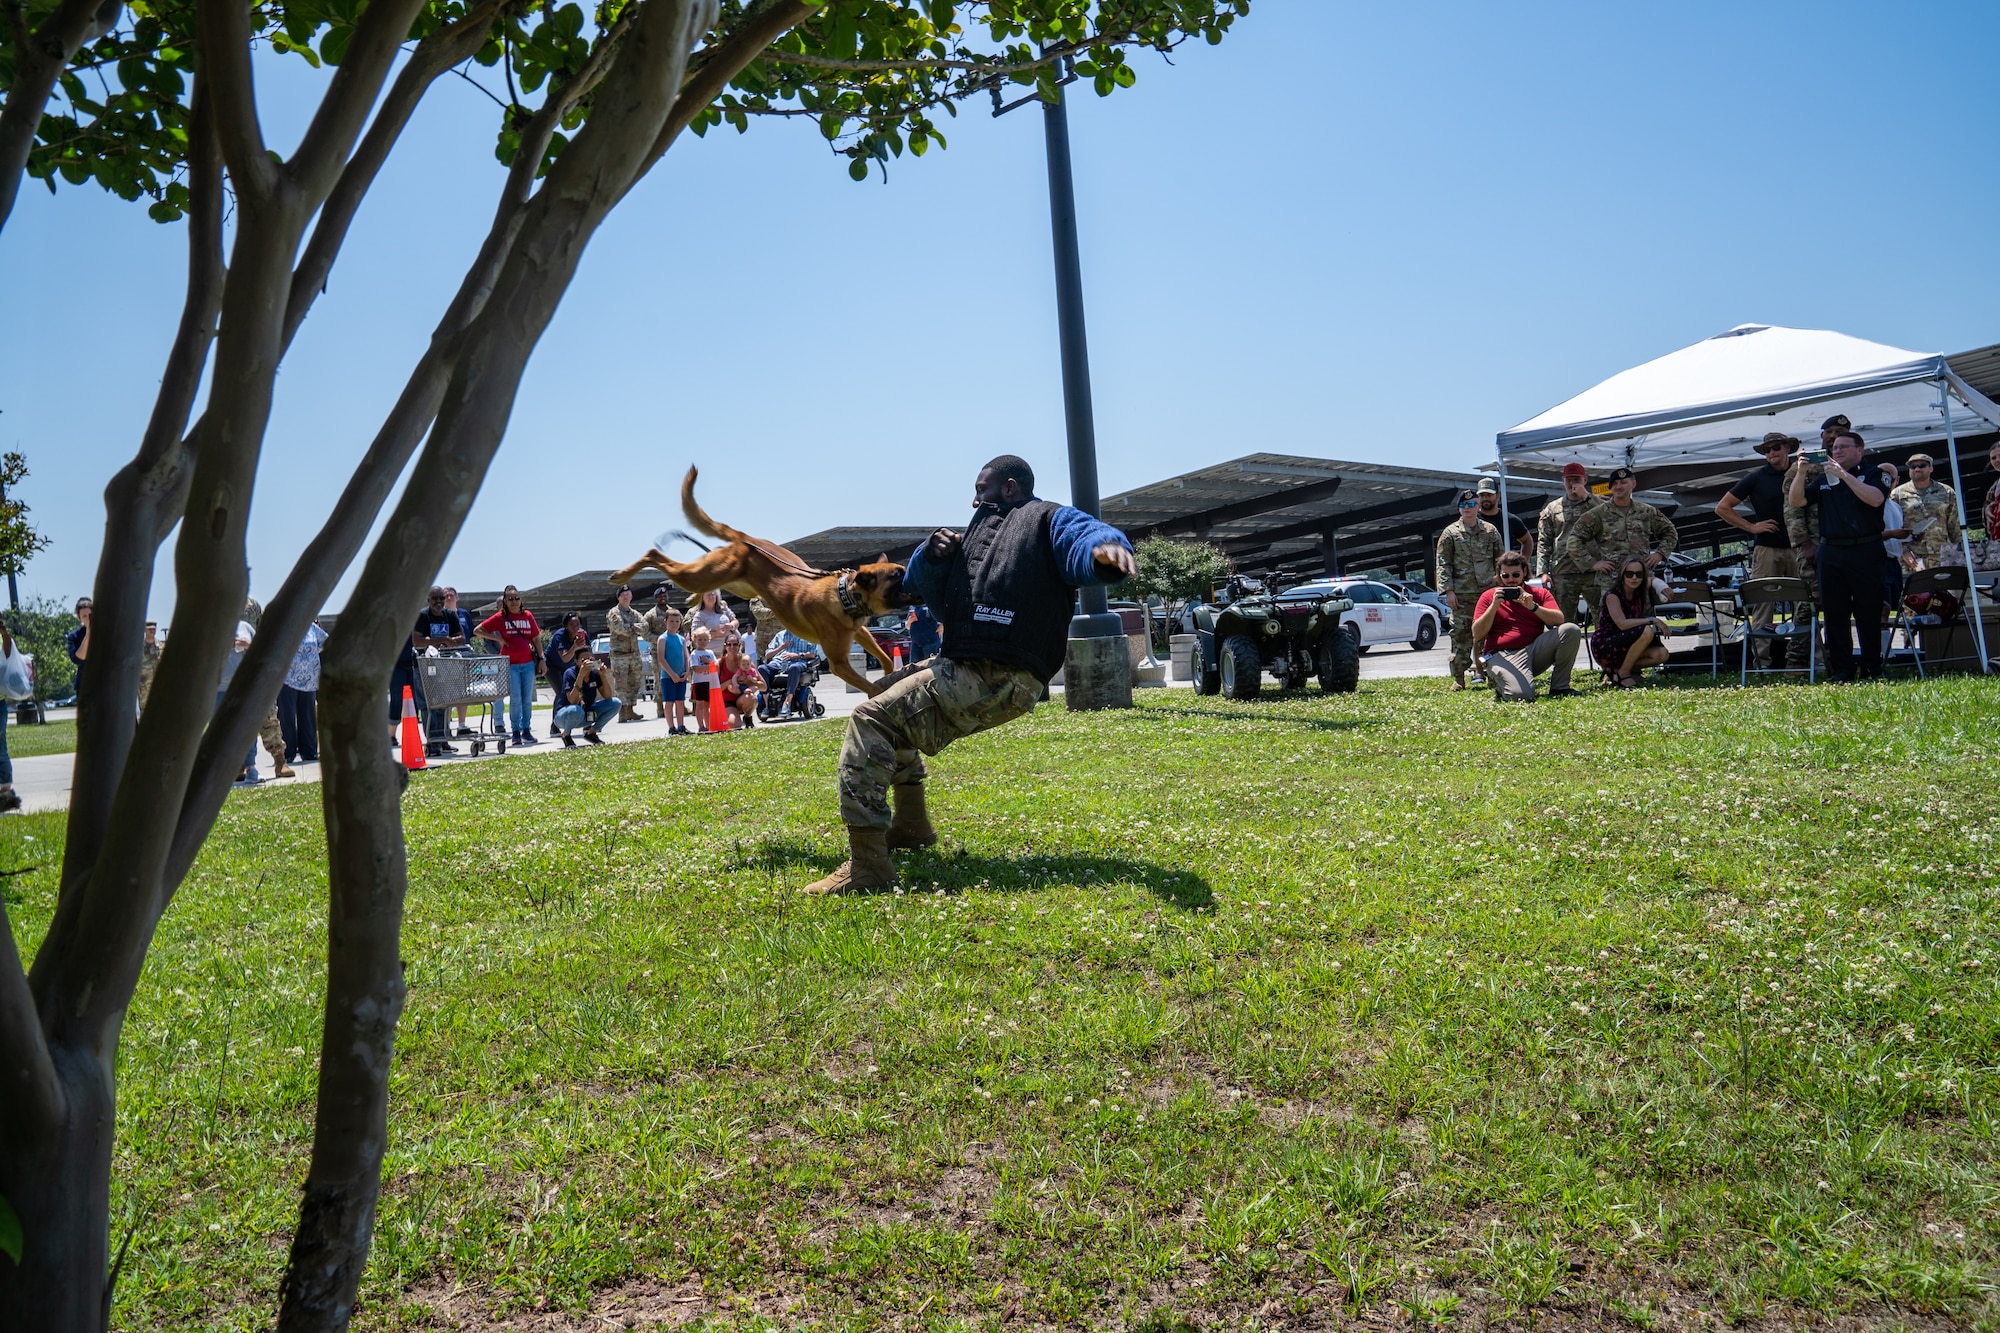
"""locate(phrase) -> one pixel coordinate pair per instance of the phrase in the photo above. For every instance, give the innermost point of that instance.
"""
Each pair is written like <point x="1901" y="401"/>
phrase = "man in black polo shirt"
<point x="1771" y="554"/>
<point x="1850" y="555"/>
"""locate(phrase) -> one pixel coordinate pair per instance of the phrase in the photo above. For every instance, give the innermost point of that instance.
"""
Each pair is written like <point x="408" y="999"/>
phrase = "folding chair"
<point x="1690" y="600"/>
<point x="1788" y="594"/>
<point x="1953" y="579"/>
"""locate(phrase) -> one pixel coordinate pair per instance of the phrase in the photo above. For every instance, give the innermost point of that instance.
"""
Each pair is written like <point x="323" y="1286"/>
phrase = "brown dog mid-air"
<point x="829" y="607"/>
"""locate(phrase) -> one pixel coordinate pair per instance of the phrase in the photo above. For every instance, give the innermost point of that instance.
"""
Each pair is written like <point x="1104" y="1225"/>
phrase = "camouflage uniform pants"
<point x="924" y="709"/>
<point x="627" y="677"/>
<point x="1461" y="628"/>
<point x="1572" y="590"/>
<point x="274" y="738"/>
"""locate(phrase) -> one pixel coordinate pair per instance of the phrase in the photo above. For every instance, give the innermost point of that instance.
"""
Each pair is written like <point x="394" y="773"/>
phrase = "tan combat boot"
<point x="867" y="867"/>
<point x="911" y="827"/>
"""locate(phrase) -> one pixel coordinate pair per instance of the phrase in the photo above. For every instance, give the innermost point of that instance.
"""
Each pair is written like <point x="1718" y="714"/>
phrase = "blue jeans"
<point x="570" y="716"/>
<point x="6" y="760"/>
<point x="521" y="696"/>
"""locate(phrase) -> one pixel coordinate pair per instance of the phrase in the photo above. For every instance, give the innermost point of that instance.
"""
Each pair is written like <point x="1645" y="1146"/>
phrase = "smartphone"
<point x="1814" y="455"/>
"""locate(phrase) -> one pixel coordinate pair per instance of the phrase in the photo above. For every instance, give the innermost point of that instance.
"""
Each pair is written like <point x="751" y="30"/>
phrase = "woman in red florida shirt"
<point x="1521" y="633"/>
<point x="514" y="626"/>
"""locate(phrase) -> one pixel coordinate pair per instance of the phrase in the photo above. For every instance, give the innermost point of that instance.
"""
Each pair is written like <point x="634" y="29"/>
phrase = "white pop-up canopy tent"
<point x="1713" y="401"/>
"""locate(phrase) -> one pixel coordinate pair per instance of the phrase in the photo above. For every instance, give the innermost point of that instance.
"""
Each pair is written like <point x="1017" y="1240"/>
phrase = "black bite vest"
<point x="1005" y="597"/>
<point x="1844" y="519"/>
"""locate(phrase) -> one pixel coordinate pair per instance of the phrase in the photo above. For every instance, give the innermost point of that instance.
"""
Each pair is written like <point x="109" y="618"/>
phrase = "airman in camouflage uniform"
<point x="1468" y="554"/>
<point x="1572" y="582"/>
<point x="1613" y="532"/>
<point x="268" y="730"/>
<point x="149" y="661"/>
<point x="625" y="625"/>
<point x="1930" y="512"/>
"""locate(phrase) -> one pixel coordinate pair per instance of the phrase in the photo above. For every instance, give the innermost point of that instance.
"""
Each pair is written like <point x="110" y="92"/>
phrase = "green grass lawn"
<point x="1631" y="1010"/>
<point x="41" y="738"/>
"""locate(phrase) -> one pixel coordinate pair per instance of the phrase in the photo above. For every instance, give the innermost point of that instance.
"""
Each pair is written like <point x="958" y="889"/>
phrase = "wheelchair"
<point x="806" y="705"/>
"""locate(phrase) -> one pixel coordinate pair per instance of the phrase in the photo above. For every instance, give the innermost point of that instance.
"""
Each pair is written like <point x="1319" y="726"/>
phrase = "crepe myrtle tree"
<point x="1175" y="571"/>
<point x="589" y="101"/>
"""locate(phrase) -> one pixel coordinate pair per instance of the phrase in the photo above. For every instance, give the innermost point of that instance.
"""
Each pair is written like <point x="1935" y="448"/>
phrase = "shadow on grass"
<point x="958" y="871"/>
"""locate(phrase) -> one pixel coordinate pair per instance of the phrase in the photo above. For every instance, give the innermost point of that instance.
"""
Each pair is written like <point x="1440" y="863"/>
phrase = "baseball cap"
<point x="1620" y="474"/>
<point x="1776" y="437"/>
<point x="1838" y="421"/>
<point x="1915" y="459"/>
<point x="1488" y="486"/>
<point x="1573" y="470"/>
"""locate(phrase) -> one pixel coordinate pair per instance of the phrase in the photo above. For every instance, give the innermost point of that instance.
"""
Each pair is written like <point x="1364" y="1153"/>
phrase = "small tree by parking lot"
<point x="39" y="627"/>
<point x="1175" y="571"/>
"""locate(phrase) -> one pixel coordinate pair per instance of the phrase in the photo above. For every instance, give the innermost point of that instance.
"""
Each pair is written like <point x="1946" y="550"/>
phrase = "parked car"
<point x="892" y="632"/>
<point x="1417" y="590"/>
<point x="649" y="679"/>
<point x="1380" y="614"/>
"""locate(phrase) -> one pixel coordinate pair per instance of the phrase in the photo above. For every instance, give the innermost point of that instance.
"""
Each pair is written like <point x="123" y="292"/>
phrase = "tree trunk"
<point x="367" y="873"/>
<point x="59" y="1183"/>
<point x="366" y="867"/>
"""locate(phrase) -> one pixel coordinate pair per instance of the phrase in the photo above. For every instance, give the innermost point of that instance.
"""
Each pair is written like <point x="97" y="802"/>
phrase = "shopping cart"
<point x="450" y="681"/>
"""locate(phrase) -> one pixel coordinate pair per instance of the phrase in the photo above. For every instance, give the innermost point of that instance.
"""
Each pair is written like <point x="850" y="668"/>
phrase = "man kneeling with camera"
<point x="1521" y="633"/>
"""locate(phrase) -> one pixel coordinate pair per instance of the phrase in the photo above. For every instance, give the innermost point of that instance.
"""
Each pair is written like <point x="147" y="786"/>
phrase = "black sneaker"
<point x="569" y="743"/>
<point x="1565" y="692"/>
<point x="9" y="801"/>
<point x="593" y="738"/>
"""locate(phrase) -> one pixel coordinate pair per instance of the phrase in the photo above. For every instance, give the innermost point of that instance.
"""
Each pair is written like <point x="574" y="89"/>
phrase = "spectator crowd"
<point x="1844" y="531"/>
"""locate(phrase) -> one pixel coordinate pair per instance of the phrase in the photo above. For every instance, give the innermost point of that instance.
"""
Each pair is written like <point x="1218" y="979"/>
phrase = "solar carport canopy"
<point x="1714" y="400"/>
<point x="1268" y="509"/>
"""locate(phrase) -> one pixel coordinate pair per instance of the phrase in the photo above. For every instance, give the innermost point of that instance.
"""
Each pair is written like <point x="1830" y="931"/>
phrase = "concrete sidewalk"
<point x="43" y="781"/>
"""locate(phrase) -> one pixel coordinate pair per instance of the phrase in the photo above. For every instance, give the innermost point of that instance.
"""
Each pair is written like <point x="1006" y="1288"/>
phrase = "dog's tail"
<point x="698" y="518"/>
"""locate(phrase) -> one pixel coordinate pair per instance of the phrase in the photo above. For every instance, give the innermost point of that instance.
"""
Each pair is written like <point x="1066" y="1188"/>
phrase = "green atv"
<point x="1249" y="631"/>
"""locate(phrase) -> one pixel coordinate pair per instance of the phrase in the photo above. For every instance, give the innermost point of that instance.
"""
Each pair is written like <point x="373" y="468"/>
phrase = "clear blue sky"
<point x="1376" y="232"/>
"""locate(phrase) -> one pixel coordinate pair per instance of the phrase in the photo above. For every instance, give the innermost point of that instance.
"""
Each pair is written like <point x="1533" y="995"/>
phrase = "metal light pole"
<point x="1098" y="670"/>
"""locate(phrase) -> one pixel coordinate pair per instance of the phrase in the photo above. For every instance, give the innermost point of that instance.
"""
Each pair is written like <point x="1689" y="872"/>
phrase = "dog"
<point x="829" y="607"/>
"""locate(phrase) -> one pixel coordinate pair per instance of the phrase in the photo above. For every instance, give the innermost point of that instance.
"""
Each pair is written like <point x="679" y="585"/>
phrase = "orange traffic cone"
<point x="413" y="733"/>
<point x="896" y="656"/>
<point x="718" y="711"/>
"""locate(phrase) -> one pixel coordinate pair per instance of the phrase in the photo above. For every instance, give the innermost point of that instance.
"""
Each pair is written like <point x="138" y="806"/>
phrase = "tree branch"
<point x="142" y="503"/>
<point x="31" y="1100"/>
<point x="992" y="66"/>
<point x="434" y="56"/>
<point x="39" y="58"/>
<point x="378" y="39"/>
<point x="223" y="29"/>
<point x="715" y="66"/>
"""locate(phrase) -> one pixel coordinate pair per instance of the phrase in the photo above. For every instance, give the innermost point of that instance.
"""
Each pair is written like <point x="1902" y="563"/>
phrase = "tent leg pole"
<point x="1964" y="538"/>
<point x="1505" y="543"/>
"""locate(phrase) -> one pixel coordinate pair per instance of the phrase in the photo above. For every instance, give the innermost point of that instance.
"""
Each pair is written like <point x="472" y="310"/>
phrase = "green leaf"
<point x="333" y="46"/>
<point x="10" y="1232"/>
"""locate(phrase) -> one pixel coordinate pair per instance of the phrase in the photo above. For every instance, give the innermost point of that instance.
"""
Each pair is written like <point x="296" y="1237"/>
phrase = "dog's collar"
<point x="848" y="601"/>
